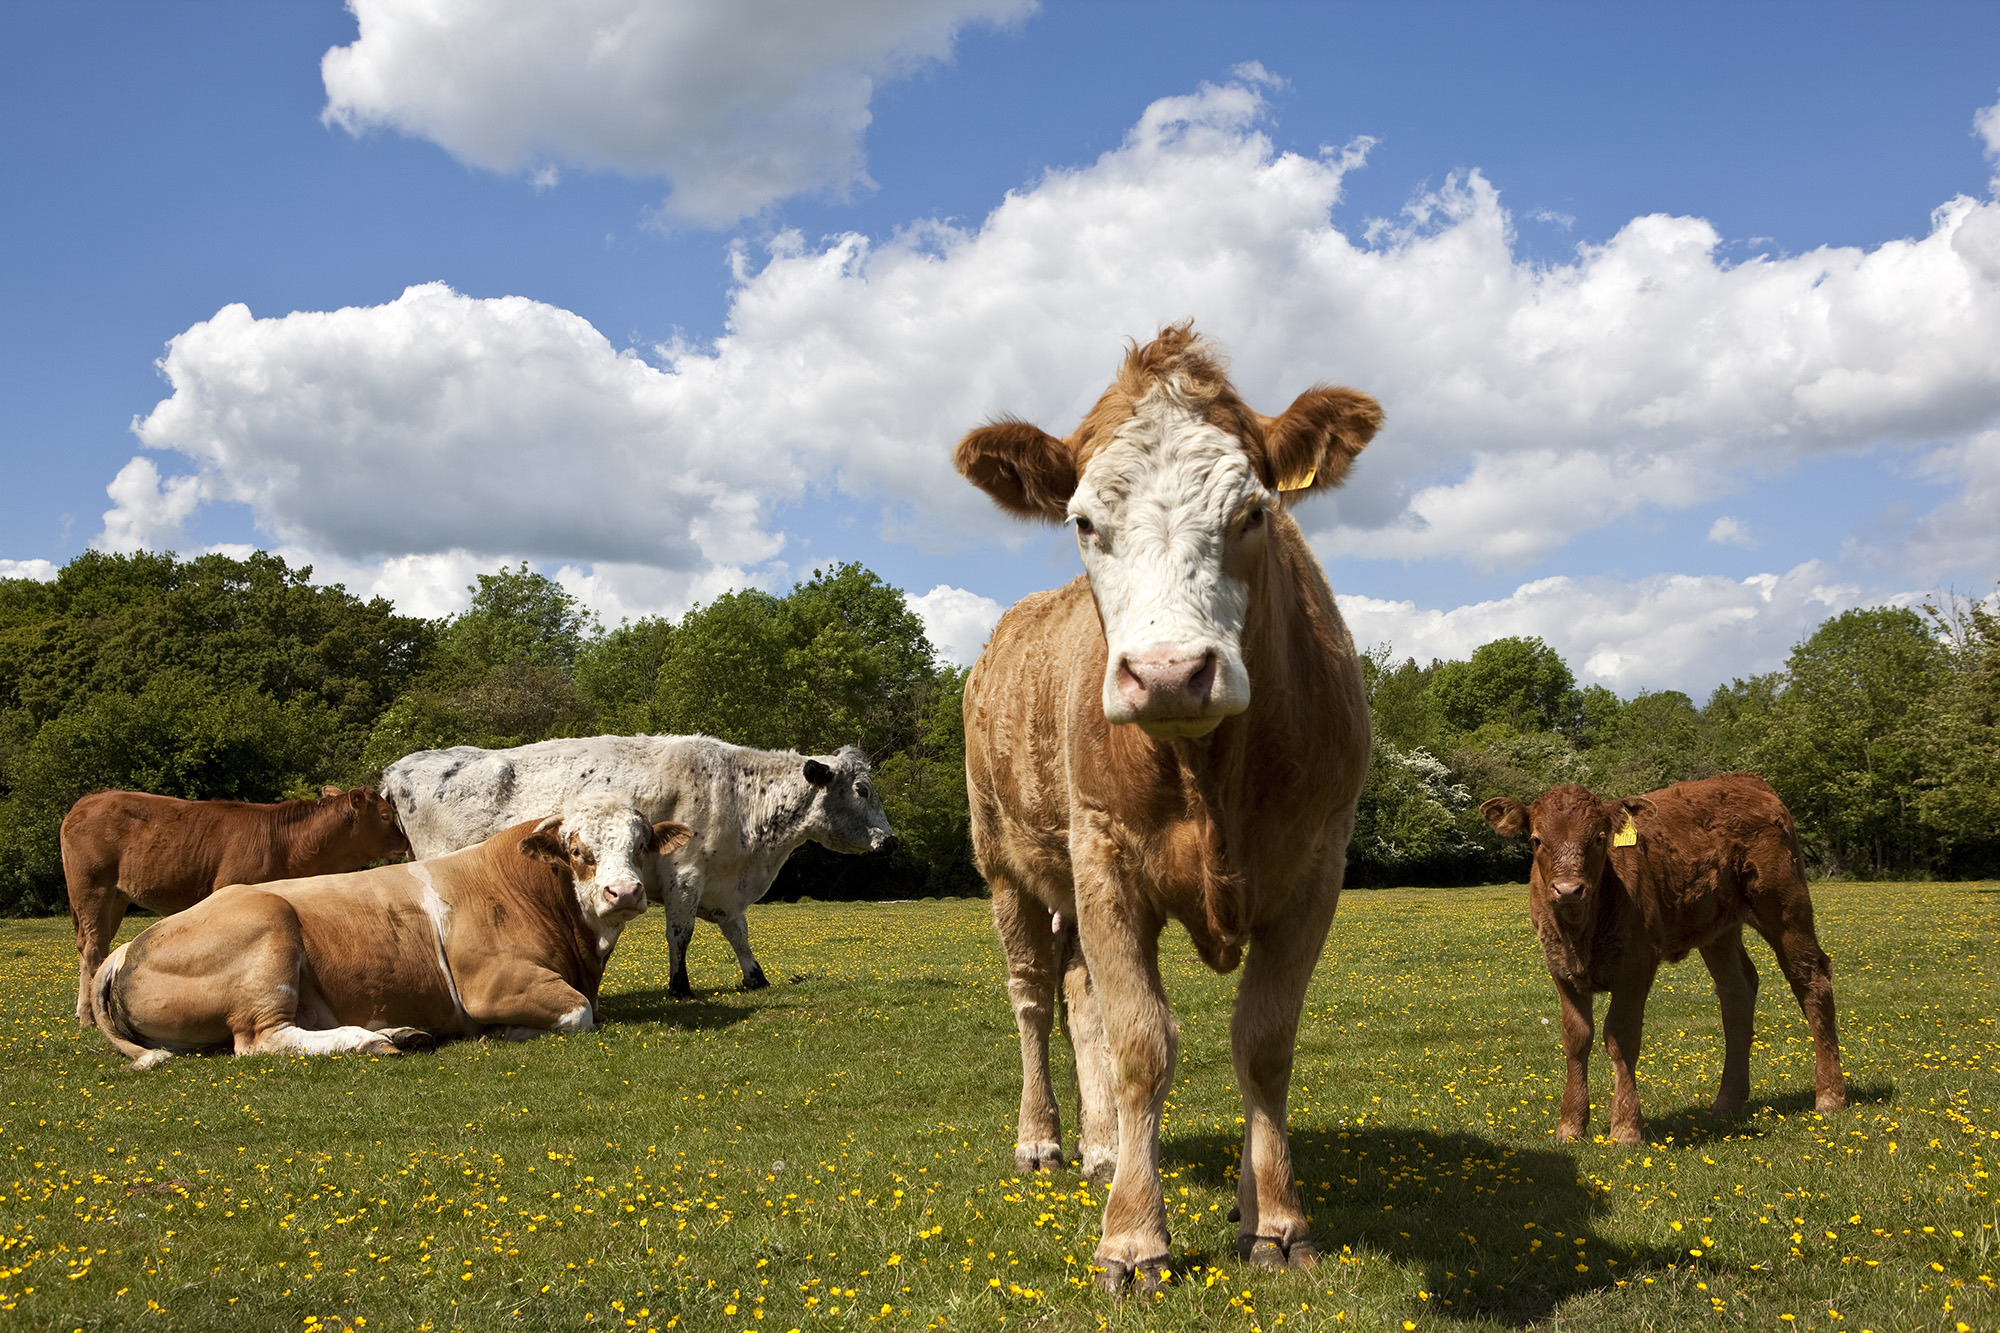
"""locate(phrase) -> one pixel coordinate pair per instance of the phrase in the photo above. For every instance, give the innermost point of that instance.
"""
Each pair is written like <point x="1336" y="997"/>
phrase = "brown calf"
<point x="1617" y="886"/>
<point x="1181" y="734"/>
<point x="166" y="854"/>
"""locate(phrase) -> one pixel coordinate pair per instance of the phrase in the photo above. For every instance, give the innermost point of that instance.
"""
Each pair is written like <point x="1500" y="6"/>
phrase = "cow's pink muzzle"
<point x="627" y="897"/>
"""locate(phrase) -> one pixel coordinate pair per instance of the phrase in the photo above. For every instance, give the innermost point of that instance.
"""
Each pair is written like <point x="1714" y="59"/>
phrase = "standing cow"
<point x="1180" y="733"/>
<point x="1617" y="886"/>
<point x="750" y="808"/>
<point x="166" y="854"/>
<point x="506" y="939"/>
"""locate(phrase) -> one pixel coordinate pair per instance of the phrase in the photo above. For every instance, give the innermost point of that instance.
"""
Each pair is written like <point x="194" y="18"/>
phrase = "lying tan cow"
<point x="166" y="854"/>
<point x="508" y="938"/>
<point x="1617" y="886"/>
<point x="1181" y="734"/>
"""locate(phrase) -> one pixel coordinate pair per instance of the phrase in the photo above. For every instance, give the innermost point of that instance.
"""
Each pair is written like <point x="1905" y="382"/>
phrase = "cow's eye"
<point x="862" y="791"/>
<point x="1535" y="842"/>
<point x="1254" y="519"/>
<point x="1085" y="527"/>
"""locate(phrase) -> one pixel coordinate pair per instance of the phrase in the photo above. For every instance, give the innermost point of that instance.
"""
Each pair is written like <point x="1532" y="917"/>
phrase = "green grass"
<point x="836" y="1152"/>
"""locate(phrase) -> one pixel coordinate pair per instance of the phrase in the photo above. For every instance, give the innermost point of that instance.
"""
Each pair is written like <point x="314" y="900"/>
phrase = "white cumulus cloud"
<point x="1528" y="402"/>
<point x="737" y="102"/>
<point x="957" y="622"/>
<point x="1727" y="531"/>
<point x="41" y="571"/>
<point x="147" y="512"/>
<point x="1670" y="632"/>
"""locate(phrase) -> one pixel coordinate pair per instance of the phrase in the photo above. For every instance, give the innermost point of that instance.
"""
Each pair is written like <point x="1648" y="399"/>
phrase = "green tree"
<point x="1838" y="747"/>
<point x="1956" y="736"/>
<point x="1522" y="682"/>
<point x="1655" y="740"/>
<point x="618" y="674"/>
<point x="517" y="618"/>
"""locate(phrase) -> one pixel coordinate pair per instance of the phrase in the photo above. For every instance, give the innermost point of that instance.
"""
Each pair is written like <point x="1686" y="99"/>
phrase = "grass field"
<point x="836" y="1152"/>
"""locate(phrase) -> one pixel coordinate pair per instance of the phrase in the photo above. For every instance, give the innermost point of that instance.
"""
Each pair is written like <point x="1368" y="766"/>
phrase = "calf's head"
<point x="612" y="855"/>
<point x="1570" y="833"/>
<point x="847" y="813"/>
<point x="370" y="831"/>
<point x="1173" y="484"/>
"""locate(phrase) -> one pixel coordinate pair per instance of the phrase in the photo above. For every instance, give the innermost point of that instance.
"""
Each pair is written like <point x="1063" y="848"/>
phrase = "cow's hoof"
<point x="1150" y="1277"/>
<point x="1629" y="1135"/>
<point x="1235" y="1213"/>
<point x="1273" y="1255"/>
<point x="754" y="980"/>
<point x="1830" y="1102"/>
<point x="1727" y="1104"/>
<point x="1099" y="1165"/>
<point x="680" y="990"/>
<point x="410" y="1039"/>
<point x="1032" y="1157"/>
<point x="1303" y="1254"/>
<point x="377" y="1046"/>
<point x="1564" y="1134"/>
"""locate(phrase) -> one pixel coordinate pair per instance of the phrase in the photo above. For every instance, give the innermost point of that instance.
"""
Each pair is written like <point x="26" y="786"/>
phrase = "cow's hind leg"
<point x="736" y="929"/>
<point x="1271" y="1225"/>
<point x="1736" y="991"/>
<point x="1083" y="1023"/>
<point x="96" y="910"/>
<point x="1028" y="941"/>
<point x="1787" y="923"/>
<point x="287" y="1016"/>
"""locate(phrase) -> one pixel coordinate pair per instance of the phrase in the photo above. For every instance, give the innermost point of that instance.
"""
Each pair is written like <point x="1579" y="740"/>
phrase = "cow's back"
<point x="449" y="799"/>
<point x="1020" y="699"/>
<point x="1708" y="848"/>
<point x="164" y="852"/>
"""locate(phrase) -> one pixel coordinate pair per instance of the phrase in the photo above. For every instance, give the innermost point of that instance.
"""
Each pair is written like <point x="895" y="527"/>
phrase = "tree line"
<point x="240" y="678"/>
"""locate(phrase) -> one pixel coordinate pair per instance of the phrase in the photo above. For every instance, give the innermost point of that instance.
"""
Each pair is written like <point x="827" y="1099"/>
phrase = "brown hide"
<point x="166" y="854"/>
<point x="253" y="967"/>
<point x="1709" y="858"/>
<point x="1092" y="836"/>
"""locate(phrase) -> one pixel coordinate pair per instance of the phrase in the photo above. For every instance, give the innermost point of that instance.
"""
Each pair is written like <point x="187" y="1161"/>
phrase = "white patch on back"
<point x="439" y="911"/>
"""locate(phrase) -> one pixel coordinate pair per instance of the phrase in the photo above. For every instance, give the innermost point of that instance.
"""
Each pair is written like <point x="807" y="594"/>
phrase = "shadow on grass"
<point x="657" y="1006"/>
<point x="1495" y="1229"/>
<point x="1691" y="1123"/>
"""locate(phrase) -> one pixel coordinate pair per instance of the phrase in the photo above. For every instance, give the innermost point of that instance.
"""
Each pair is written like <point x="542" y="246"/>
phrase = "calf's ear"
<point x="546" y="842"/>
<point x="818" y="774"/>
<point x="1508" y="816"/>
<point x="1027" y="471"/>
<point x="1308" y="447"/>
<point x="1637" y="805"/>
<point x="670" y="837"/>
<point x="329" y="790"/>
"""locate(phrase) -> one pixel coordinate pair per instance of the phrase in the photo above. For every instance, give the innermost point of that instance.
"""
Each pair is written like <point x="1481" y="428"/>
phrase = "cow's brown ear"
<point x="1027" y="471"/>
<point x="1308" y="447"/>
<point x="329" y="790"/>
<point x="1508" y="816"/>
<point x="546" y="842"/>
<point x="1637" y="805"/>
<point x="670" y="837"/>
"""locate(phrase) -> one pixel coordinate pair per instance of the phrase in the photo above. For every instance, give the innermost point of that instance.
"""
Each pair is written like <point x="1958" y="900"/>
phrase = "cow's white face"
<point x="1170" y="519"/>
<point x="613" y="856"/>
<point x="847" y="814"/>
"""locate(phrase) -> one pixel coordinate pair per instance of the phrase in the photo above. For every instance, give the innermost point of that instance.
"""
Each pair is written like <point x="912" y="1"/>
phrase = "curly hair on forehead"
<point x="1567" y="797"/>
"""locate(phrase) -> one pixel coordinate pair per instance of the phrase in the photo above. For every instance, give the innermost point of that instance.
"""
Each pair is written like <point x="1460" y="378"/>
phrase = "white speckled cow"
<point x="750" y="809"/>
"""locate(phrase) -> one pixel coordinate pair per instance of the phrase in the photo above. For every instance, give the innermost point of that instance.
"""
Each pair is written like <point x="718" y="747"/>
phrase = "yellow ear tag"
<point x="1627" y="836"/>
<point x="1300" y="481"/>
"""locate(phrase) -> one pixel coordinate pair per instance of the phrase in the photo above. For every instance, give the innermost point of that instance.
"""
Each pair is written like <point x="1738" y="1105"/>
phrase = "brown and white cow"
<point x="166" y="854"/>
<point x="1617" y="886"/>
<point x="1182" y="734"/>
<point x="508" y="938"/>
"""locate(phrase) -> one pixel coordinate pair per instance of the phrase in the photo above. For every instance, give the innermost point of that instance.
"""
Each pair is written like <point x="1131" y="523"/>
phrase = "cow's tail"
<point x="113" y="1021"/>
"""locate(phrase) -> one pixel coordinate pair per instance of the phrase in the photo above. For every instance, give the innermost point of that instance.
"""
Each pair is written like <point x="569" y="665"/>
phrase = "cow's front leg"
<point x="682" y="898"/>
<point x="1026" y="940"/>
<point x="1121" y="938"/>
<point x="736" y="929"/>
<point x="1624" y="1027"/>
<point x="518" y="1001"/>
<point x="1577" y="1028"/>
<point x="1272" y="1231"/>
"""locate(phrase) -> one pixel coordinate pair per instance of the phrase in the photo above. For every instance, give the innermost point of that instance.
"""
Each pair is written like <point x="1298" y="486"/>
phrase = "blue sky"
<point x="1685" y="321"/>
